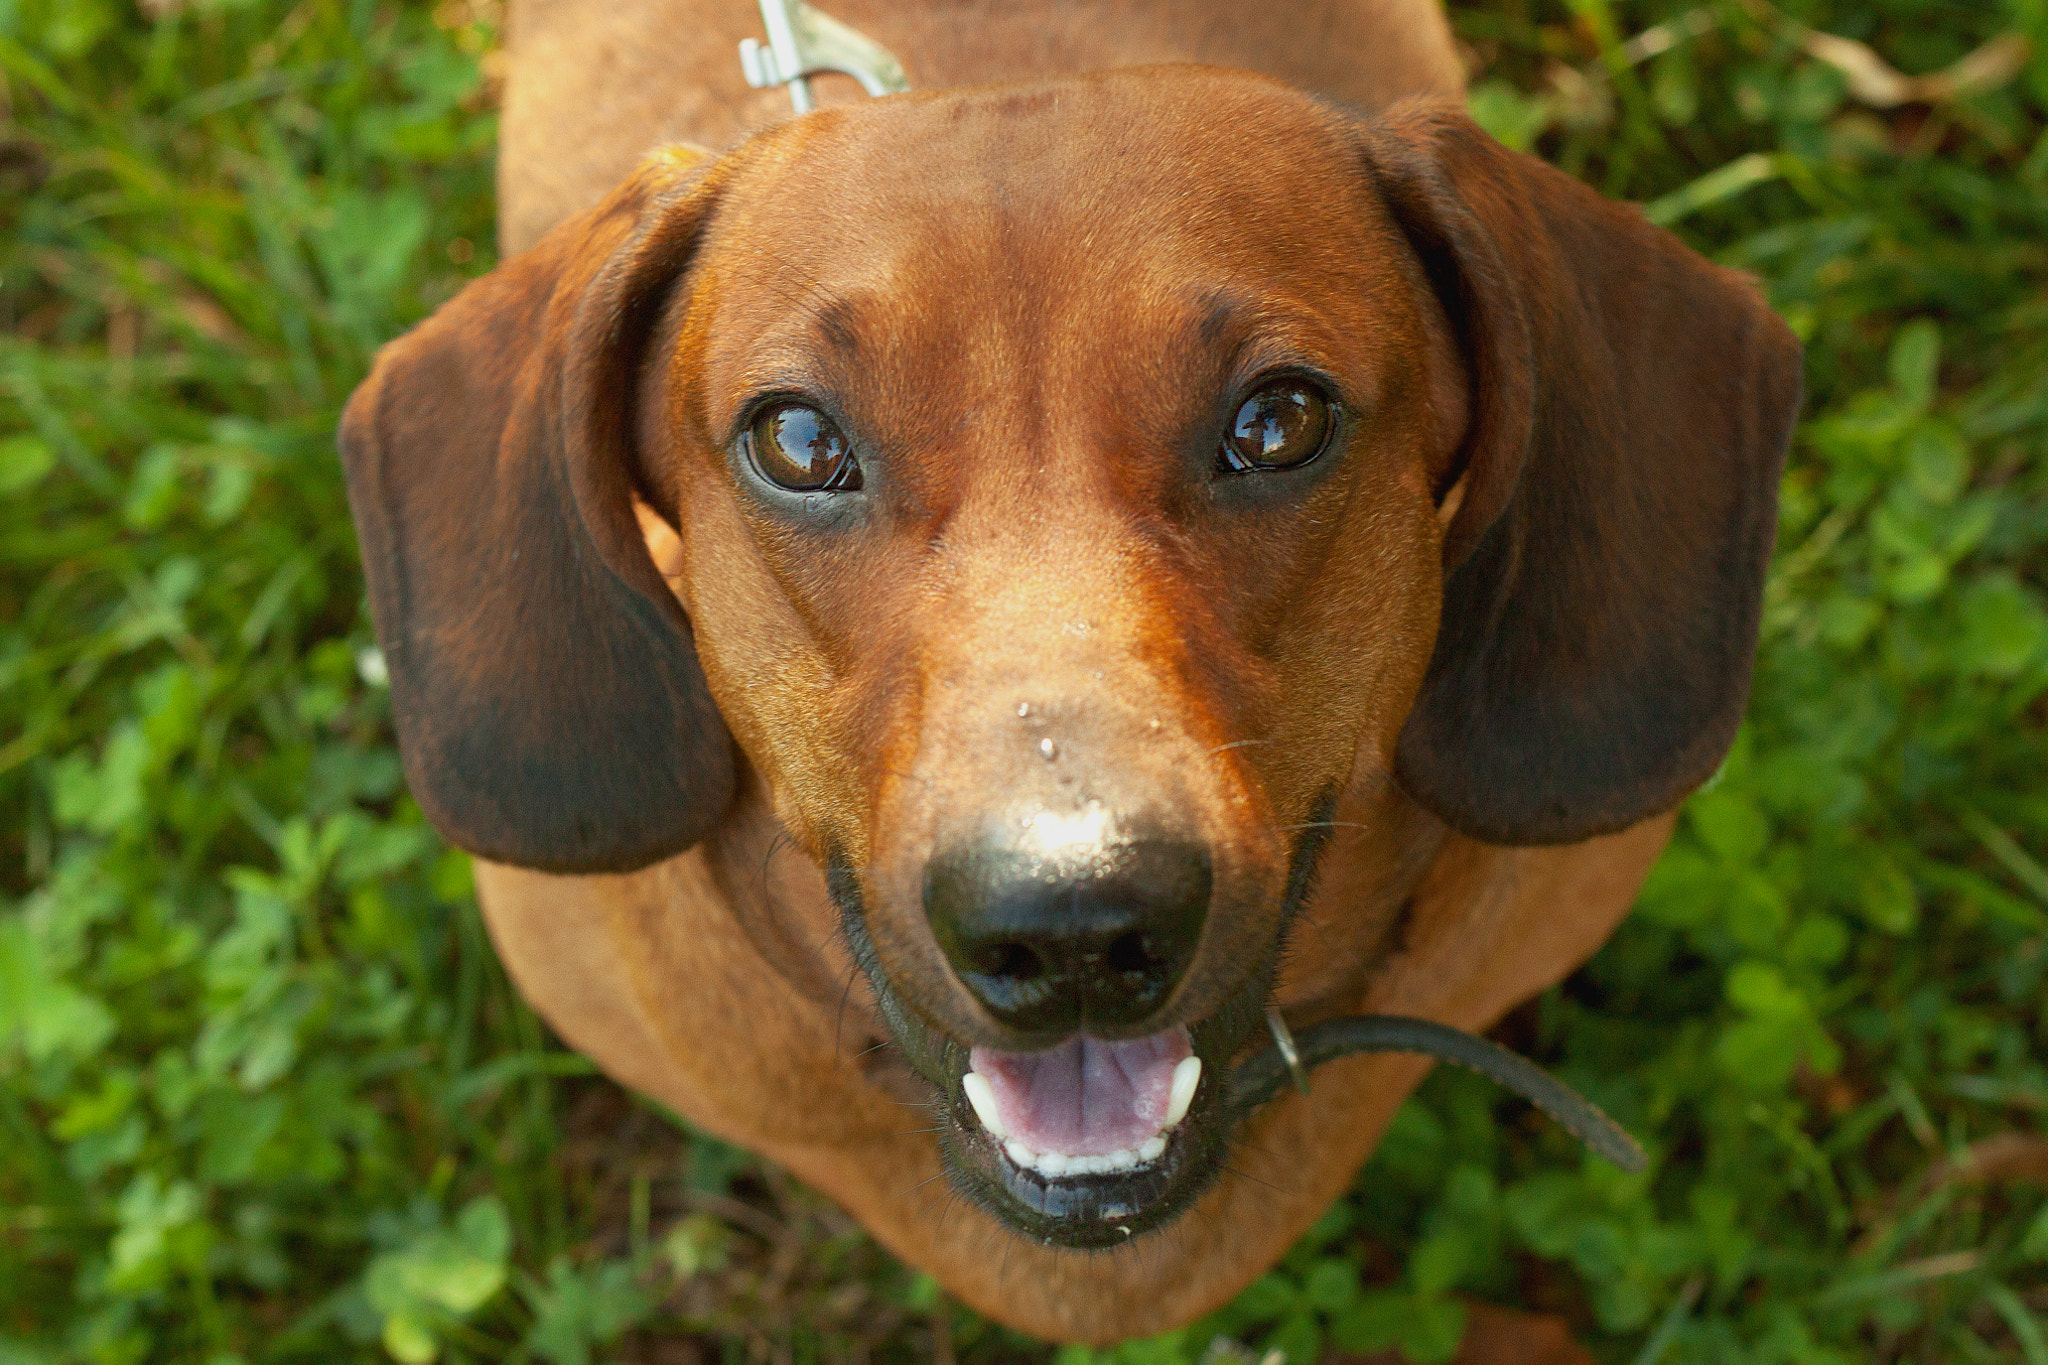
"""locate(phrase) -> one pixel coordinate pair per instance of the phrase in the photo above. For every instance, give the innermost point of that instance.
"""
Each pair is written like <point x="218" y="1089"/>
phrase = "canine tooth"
<point x="982" y="1096"/>
<point x="1186" y="1076"/>
<point x="1021" y="1154"/>
<point x="1052" y="1163"/>
<point x="1154" y="1148"/>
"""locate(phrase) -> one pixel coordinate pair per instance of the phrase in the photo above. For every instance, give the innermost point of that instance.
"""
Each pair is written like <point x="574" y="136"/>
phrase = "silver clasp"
<point x="803" y="42"/>
<point x="1284" y="1040"/>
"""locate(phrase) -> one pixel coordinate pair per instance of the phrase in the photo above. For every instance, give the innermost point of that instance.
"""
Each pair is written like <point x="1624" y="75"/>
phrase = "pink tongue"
<point x="1084" y="1097"/>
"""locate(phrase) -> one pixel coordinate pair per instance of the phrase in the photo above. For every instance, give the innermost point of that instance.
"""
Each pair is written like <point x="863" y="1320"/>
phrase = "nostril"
<point x="1012" y="961"/>
<point x="1048" y="947"/>
<point x="1130" y="953"/>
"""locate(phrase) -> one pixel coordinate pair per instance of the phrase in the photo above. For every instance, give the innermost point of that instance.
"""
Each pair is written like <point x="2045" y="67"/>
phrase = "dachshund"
<point x="994" y="597"/>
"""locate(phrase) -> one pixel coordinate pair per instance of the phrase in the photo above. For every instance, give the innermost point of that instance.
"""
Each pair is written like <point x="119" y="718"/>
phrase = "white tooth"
<point x="982" y="1096"/>
<point x="1100" y="1165"/>
<point x="1153" y="1149"/>
<point x="1021" y="1154"/>
<point x="1122" y="1159"/>
<point x="1052" y="1163"/>
<point x="1186" y="1077"/>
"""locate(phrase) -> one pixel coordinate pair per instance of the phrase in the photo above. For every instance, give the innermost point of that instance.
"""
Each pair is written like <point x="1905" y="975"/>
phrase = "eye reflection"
<point x="799" y="448"/>
<point x="1280" y="425"/>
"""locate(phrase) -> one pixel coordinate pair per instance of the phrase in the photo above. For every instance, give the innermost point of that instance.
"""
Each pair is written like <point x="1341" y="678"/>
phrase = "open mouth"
<point x="1090" y="1141"/>
<point x="1086" y="1107"/>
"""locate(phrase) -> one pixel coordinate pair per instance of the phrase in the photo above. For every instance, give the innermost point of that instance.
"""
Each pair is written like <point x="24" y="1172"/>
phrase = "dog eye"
<point x="1281" y="425"/>
<point x="800" y="448"/>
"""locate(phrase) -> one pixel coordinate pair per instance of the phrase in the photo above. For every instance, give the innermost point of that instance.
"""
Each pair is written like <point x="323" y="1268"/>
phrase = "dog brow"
<point x="1215" y="311"/>
<point x="834" y="322"/>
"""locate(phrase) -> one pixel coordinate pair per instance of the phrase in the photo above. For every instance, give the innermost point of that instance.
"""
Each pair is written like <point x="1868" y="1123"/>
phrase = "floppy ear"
<point x="550" y="706"/>
<point x="1631" y="405"/>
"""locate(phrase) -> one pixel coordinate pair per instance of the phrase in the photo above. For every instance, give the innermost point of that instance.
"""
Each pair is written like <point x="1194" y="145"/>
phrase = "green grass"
<point x="265" y="1094"/>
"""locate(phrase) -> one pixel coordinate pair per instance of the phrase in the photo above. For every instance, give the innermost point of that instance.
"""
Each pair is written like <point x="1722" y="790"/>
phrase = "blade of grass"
<point x="2026" y="1328"/>
<point x="2000" y="845"/>
<point x="1716" y="186"/>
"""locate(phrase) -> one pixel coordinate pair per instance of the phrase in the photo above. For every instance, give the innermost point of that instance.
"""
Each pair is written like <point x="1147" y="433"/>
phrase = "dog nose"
<point x="1052" y="945"/>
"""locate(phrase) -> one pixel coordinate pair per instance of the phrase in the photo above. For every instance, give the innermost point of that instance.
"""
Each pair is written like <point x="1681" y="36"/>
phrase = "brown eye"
<point x="802" y="449"/>
<point x="1283" y="424"/>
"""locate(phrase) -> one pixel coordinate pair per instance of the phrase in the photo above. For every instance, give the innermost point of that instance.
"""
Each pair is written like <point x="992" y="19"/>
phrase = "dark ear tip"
<point x="1556" y="801"/>
<point x="558" y="813"/>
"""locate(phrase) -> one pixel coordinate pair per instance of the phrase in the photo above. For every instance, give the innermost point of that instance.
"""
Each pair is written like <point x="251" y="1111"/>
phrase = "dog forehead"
<point x="1117" y="219"/>
<point x="1047" y="178"/>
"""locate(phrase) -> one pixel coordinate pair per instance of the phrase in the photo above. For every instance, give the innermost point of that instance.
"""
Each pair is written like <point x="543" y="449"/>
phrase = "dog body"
<point x="1399" y="785"/>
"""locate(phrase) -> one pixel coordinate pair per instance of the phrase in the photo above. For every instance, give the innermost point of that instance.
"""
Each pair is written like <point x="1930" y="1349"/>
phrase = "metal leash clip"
<point x="802" y="42"/>
<point x="1284" y="1040"/>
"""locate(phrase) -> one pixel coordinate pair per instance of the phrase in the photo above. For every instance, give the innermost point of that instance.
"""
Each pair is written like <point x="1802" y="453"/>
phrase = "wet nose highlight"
<point x="1058" y="934"/>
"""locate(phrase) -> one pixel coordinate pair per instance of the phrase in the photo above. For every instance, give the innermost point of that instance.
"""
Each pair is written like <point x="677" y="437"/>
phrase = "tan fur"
<point x="1032" y="555"/>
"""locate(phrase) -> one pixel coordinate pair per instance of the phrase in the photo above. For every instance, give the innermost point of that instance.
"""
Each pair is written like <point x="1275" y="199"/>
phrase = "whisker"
<point x="944" y="1203"/>
<point x="1318" y="824"/>
<point x="775" y="846"/>
<point x="918" y="1186"/>
<point x="1238" y="744"/>
<point x="839" y="1021"/>
<point x="838" y="931"/>
<point x="1247" y="1175"/>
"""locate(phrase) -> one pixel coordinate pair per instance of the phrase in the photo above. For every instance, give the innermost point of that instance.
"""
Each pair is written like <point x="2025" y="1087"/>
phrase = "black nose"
<point x="1050" y="946"/>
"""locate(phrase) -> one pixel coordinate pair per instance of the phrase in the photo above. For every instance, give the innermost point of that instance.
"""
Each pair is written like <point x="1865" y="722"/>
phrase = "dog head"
<point x="1063" y="496"/>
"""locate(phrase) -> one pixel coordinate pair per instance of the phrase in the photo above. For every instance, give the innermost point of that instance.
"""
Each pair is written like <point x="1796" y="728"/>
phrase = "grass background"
<point x="265" y="1094"/>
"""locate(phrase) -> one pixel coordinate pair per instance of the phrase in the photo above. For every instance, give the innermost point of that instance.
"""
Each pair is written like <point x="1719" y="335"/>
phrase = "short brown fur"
<point x="1031" y="292"/>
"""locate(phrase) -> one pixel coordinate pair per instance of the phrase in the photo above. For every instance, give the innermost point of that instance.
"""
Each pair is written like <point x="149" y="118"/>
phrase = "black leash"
<point x="1261" y="1077"/>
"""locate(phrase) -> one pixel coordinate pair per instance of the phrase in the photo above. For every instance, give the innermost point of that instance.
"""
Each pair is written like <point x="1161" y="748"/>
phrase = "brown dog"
<point x="989" y="569"/>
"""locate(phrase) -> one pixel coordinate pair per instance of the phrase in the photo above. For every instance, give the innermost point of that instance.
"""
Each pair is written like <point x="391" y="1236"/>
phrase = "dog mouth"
<point x="1084" y="1143"/>
<point x="1090" y="1141"/>
<point x="1089" y="1106"/>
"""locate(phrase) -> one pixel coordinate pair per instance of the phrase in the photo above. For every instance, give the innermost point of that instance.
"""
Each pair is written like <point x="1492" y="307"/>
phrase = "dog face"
<point x="1058" y="524"/>
<point x="1063" y="496"/>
